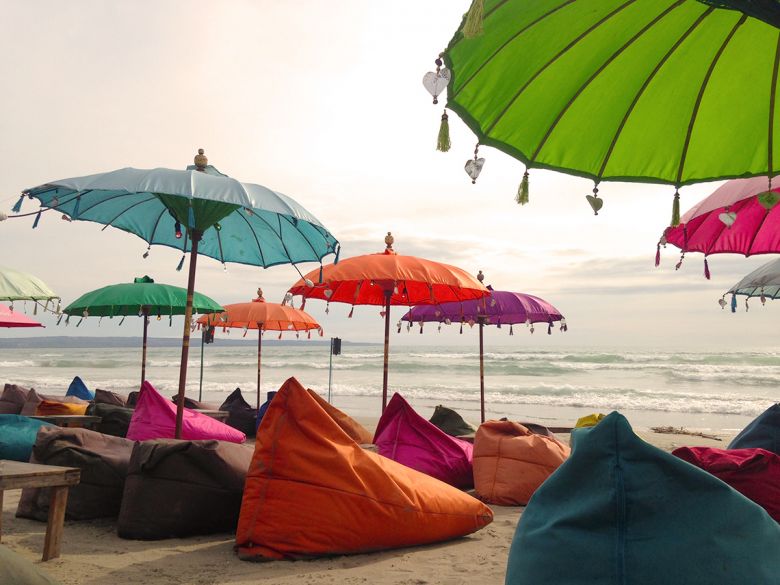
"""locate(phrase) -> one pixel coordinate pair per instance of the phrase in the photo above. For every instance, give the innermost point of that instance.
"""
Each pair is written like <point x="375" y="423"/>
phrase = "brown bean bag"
<point x="103" y="461"/>
<point x="52" y="408"/>
<point x="114" y="420"/>
<point x="241" y="415"/>
<point x="511" y="462"/>
<point x="183" y="488"/>
<point x="12" y="399"/>
<point x="108" y="397"/>
<point x="34" y="399"/>
<point x="132" y="399"/>
<point x="194" y="404"/>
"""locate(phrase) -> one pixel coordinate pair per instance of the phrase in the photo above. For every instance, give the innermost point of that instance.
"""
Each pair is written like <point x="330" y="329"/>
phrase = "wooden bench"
<point x="16" y="475"/>
<point x="71" y="420"/>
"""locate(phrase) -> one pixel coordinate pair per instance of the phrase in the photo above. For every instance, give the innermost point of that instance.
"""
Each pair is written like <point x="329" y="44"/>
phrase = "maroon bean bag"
<point x="753" y="472"/>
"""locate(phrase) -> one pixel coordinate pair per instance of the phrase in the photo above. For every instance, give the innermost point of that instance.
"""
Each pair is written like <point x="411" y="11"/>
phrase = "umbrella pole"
<point x="143" y="351"/>
<point x="481" y="372"/>
<point x="259" y="356"/>
<point x="388" y="294"/>
<point x="202" y="344"/>
<point x="185" y="341"/>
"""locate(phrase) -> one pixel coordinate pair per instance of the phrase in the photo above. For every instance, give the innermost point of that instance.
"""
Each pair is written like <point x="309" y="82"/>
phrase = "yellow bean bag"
<point x="51" y="408"/>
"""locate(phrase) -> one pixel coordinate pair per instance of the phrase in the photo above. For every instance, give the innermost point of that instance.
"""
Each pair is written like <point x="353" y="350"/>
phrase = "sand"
<point x="92" y="553"/>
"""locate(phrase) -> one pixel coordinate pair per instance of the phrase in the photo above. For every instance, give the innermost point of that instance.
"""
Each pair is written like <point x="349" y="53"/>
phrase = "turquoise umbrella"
<point x="142" y="297"/>
<point x="198" y="210"/>
<point x="658" y="91"/>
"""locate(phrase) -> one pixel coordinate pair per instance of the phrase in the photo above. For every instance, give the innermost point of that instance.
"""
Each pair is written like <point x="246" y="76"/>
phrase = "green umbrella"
<point x="658" y="91"/>
<point x="20" y="286"/>
<point x="142" y="297"/>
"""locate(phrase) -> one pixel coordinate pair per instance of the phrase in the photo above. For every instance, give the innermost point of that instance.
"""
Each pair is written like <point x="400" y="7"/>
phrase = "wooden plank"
<point x="18" y="475"/>
<point x="66" y="420"/>
<point x="1" y="515"/>
<point x="57" y="505"/>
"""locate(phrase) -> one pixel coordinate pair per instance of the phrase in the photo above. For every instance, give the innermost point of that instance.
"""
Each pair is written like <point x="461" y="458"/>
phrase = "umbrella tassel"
<point x="421" y="327"/>
<point x="280" y="335"/>
<point x="676" y="209"/>
<point x="338" y="253"/>
<point x="59" y="319"/>
<point x="303" y="303"/>
<point x="679" y="264"/>
<point x="308" y="336"/>
<point x="443" y="142"/>
<point x="747" y="306"/>
<point x="706" y="269"/>
<point x="522" y="190"/>
<point x="18" y="205"/>
<point x="181" y="264"/>
<point x="79" y="323"/>
<point x="352" y="310"/>
<point x="549" y="328"/>
<point x="658" y="255"/>
<point x="461" y="327"/>
<point x="122" y="321"/>
<point x="320" y="282"/>
<point x="473" y="25"/>
<point x="733" y="303"/>
<point x="511" y="331"/>
<point x="37" y="219"/>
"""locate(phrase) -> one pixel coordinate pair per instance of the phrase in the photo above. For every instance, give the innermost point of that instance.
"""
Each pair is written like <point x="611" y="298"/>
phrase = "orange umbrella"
<point x="388" y="279"/>
<point x="263" y="316"/>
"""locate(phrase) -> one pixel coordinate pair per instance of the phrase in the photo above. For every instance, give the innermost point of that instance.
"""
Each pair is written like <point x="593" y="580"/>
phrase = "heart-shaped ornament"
<point x="728" y="218"/>
<point x="595" y="203"/>
<point x="768" y="199"/>
<point x="436" y="81"/>
<point x="474" y="168"/>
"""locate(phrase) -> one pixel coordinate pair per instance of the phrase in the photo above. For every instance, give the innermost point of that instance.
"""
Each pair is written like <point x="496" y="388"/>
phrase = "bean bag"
<point x="103" y="461"/>
<point x="132" y="399"/>
<point x="114" y="420"/>
<point x="30" y="407"/>
<point x="264" y="406"/>
<point x="108" y="397"/>
<point x="12" y="399"/>
<point x="761" y="433"/>
<point x="354" y="429"/>
<point x="588" y="421"/>
<point x="755" y="473"/>
<point x="311" y="491"/>
<point x="79" y="389"/>
<point x="451" y="422"/>
<point x="620" y="511"/>
<point x="242" y="415"/>
<point x="404" y="436"/>
<point x="52" y="408"/>
<point x="511" y="462"/>
<point x="16" y="570"/>
<point x="154" y="417"/>
<point x="17" y="436"/>
<point x="182" y="488"/>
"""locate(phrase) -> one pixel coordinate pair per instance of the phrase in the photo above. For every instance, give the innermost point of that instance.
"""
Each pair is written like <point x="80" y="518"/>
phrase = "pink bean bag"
<point x="154" y="417"/>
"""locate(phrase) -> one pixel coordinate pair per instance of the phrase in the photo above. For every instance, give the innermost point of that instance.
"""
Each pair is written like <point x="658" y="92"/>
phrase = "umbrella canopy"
<point x="20" y="286"/>
<point x="199" y="210"/>
<point x="388" y="279"/>
<point x="9" y="318"/>
<point x="739" y="217"/>
<point x="142" y="297"/>
<point x="263" y="316"/>
<point x="646" y="90"/>
<point x="498" y="308"/>
<point x="763" y="282"/>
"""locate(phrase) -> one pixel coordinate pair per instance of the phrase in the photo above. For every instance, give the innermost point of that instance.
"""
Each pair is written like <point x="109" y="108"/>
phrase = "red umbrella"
<point x="10" y="318"/>
<point x="388" y="279"/>
<point x="263" y="316"/>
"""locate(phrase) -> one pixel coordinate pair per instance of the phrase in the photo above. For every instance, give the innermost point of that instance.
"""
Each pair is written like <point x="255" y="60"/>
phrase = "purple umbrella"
<point x="499" y="308"/>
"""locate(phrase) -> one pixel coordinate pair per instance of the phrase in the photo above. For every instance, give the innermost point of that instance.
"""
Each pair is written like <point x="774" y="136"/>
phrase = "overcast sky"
<point x="323" y="101"/>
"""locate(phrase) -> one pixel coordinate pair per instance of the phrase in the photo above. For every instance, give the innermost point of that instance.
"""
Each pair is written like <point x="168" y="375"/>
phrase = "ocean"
<point x="716" y="391"/>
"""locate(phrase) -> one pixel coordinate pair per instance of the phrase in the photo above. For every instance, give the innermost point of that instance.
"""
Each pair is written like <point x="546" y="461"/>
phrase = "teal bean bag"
<point x="17" y="436"/>
<point x="622" y="512"/>
<point x="762" y="433"/>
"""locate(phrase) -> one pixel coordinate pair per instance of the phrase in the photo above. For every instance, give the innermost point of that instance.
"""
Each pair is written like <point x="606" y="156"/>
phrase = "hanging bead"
<point x="474" y="166"/>
<point x="593" y="200"/>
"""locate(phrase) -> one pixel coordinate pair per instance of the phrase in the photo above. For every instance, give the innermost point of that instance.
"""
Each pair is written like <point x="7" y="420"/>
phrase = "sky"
<point x="323" y="101"/>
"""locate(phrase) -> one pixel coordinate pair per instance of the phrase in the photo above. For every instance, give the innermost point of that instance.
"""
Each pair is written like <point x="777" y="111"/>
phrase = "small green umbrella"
<point x="657" y="91"/>
<point x="142" y="297"/>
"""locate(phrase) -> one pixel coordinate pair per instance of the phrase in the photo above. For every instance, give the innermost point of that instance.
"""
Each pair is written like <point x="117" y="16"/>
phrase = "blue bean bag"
<point x="620" y="511"/>
<point x="17" y="436"/>
<point x="762" y="433"/>
<point x="264" y="407"/>
<point x="79" y="389"/>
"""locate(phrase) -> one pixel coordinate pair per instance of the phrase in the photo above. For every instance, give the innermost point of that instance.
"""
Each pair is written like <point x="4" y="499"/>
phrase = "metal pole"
<point x="185" y="341"/>
<point x="481" y="371"/>
<point x="202" y="344"/>
<point x="145" y="316"/>
<point x="388" y="294"/>
<point x="259" y="353"/>
<point x="330" y="368"/>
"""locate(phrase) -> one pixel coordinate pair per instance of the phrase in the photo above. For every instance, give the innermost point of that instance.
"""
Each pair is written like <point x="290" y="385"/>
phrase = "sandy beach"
<point x="92" y="553"/>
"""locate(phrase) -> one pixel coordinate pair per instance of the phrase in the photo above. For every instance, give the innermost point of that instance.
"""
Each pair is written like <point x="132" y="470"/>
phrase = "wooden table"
<point x="71" y="420"/>
<point x="16" y="475"/>
<point x="220" y="415"/>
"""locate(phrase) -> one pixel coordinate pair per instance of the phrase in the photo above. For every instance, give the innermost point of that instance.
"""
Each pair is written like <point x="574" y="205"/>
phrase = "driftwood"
<point x="683" y="431"/>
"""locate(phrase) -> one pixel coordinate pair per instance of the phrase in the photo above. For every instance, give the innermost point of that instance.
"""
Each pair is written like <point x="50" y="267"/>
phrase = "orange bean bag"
<point x="354" y="429"/>
<point x="50" y="408"/>
<point x="311" y="490"/>
<point x="510" y="462"/>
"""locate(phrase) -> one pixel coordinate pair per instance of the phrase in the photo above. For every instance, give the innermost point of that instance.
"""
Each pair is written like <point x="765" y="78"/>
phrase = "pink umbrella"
<point x="737" y="218"/>
<point x="9" y="318"/>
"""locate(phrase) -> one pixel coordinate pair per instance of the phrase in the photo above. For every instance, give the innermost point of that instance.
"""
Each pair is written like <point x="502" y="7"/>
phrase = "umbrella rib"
<point x="645" y="85"/>
<point x="755" y="233"/>
<point x="506" y="43"/>
<point x="252" y="231"/>
<point x="598" y="71"/>
<point x="156" y="223"/>
<point x="699" y="97"/>
<point x="281" y="239"/>
<point x="126" y="210"/>
<point x="560" y="53"/>
<point x="94" y="205"/>
<point x="292" y="223"/>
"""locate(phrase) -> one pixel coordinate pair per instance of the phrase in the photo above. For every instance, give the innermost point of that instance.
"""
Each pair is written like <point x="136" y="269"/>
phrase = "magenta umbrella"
<point x="499" y="308"/>
<point x="10" y="318"/>
<point x="739" y="217"/>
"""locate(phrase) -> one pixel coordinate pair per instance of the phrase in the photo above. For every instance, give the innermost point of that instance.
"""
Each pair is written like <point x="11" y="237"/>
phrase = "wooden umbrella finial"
<point x="480" y="276"/>
<point x="389" y="239"/>
<point x="201" y="160"/>
<point x="259" y="293"/>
